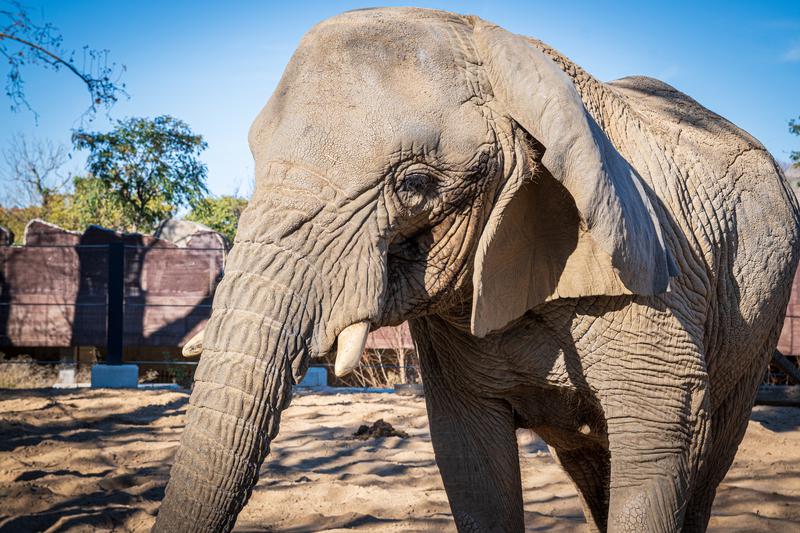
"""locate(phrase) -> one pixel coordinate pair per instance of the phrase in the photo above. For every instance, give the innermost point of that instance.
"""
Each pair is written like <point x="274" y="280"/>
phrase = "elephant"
<point x="606" y="264"/>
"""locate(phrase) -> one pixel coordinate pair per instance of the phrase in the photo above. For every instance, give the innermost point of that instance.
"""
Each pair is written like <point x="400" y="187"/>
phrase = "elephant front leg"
<point x="656" y="442"/>
<point x="473" y="435"/>
<point x="476" y="450"/>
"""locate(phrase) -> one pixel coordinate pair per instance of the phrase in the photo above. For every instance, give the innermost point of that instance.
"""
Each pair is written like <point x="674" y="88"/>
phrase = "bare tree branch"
<point x="56" y="59"/>
<point x="34" y="167"/>
<point x="23" y="41"/>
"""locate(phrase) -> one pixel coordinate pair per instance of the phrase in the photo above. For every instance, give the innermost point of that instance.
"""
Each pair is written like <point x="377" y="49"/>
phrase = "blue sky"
<point x="214" y="65"/>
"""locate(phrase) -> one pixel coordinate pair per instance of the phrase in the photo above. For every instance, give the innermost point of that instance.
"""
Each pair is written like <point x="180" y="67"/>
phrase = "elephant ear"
<point x="583" y="225"/>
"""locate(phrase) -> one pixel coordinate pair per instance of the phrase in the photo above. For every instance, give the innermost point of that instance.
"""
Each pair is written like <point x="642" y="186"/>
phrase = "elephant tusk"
<point x="349" y="347"/>
<point x="194" y="346"/>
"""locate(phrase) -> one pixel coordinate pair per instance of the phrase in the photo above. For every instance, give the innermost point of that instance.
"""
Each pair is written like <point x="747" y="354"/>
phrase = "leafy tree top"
<point x="149" y="166"/>
<point x="794" y="128"/>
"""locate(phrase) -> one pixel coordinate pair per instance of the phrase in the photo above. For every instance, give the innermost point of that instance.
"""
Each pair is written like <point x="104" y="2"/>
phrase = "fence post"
<point x="115" y="302"/>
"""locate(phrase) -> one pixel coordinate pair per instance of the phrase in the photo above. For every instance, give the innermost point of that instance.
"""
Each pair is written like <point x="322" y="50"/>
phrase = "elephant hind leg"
<point x="590" y="471"/>
<point x="729" y="422"/>
<point x="728" y="425"/>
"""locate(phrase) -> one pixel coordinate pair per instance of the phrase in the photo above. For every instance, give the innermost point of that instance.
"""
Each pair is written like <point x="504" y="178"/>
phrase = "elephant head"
<point x="407" y="161"/>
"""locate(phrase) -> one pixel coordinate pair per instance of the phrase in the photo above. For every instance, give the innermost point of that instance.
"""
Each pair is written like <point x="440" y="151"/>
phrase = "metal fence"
<point x="111" y="295"/>
<point x="115" y="302"/>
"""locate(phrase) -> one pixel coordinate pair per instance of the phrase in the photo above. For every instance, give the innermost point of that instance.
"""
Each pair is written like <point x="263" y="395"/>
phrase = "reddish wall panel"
<point x="55" y="296"/>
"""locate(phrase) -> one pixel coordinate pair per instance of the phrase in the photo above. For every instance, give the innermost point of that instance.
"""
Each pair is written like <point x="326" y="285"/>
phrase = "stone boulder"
<point x="188" y="234"/>
<point x="6" y="236"/>
<point x="42" y="233"/>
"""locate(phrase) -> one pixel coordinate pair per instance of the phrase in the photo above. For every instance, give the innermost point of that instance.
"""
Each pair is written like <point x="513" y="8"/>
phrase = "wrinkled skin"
<point x="385" y="162"/>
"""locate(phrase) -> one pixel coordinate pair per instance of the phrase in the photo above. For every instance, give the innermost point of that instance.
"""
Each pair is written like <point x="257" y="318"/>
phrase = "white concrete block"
<point x="66" y="377"/>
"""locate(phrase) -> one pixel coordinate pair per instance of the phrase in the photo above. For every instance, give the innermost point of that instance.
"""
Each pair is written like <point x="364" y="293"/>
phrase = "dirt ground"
<point x="89" y="460"/>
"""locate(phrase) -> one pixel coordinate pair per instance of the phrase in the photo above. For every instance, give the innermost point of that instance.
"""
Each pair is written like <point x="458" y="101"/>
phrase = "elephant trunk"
<point x="244" y="380"/>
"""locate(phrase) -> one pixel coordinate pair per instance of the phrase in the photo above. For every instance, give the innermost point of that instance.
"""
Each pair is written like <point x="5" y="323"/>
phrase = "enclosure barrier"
<point x="135" y="304"/>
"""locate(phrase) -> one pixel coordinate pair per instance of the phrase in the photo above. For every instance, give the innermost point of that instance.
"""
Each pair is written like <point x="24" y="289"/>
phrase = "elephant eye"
<point x="416" y="183"/>
<point x="414" y="189"/>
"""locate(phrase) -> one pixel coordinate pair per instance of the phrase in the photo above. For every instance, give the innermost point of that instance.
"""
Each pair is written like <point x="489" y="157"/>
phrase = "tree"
<point x="36" y="183"/>
<point x="15" y="219"/>
<point x="35" y="168"/>
<point x="794" y="128"/>
<point x="220" y="213"/>
<point x="91" y="205"/>
<point x="149" y="167"/>
<point x="86" y="204"/>
<point x="26" y="42"/>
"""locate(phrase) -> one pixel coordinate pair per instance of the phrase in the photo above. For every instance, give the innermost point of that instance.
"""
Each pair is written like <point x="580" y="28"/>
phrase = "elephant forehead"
<point x="358" y="93"/>
<point x="380" y="49"/>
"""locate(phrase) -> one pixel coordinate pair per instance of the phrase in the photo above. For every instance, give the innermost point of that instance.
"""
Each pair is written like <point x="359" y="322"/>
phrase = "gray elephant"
<point x="607" y="264"/>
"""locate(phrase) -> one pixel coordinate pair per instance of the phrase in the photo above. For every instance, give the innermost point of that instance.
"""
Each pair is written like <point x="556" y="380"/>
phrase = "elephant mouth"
<point x="411" y="248"/>
<point x="350" y="345"/>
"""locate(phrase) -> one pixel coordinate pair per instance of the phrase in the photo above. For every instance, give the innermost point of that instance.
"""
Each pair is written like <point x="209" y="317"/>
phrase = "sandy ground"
<point x="92" y="460"/>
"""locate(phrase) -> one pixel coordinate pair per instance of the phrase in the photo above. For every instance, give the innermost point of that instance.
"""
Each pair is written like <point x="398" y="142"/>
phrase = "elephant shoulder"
<point x="648" y="86"/>
<point x="739" y="176"/>
<point x="661" y="103"/>
<point x="696" y="136"/>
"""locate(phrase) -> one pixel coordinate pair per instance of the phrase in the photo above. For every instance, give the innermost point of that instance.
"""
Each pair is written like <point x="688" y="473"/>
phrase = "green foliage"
<point x="59" y="210"/>
<point x="15" y="219"/>
<point x="87" y="204"/>
<point x="794" y="128"/>
<point x="147" y="167"/>
<point x="220" y="213"/>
